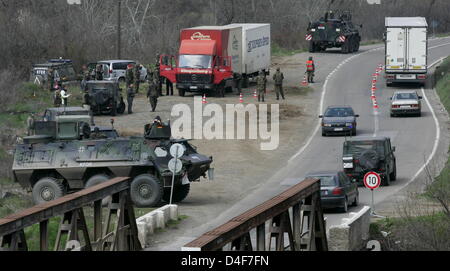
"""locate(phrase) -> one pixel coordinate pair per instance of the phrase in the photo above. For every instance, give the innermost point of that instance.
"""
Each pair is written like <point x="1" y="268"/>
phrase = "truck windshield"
<point x="195" y="61"/>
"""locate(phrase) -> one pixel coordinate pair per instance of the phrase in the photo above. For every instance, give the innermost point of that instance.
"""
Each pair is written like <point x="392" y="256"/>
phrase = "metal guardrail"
<point x="297" y="212"/>
<point x="123" y="237"/>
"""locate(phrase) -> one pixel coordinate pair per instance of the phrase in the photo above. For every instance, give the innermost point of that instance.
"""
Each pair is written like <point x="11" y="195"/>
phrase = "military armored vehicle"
<point x="64" y="71"/>
<point x="331" y="32"/>
<point x="104" y="97"/>
<point x="62" y="158"/>
<point x="372" y="154"/>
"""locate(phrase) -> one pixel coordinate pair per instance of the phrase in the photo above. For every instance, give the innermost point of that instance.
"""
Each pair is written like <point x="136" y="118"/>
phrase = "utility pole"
<point x="119" y="43"/>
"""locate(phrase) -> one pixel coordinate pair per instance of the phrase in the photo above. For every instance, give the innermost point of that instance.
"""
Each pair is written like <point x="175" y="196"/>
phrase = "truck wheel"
<point x="393" y="175"/>
<point x="312" y="47"/>
<point x="47" y="189"/>
<point x="98" y="179"/>
<point x="387" y="180"/>
<point x="146" y="191"/>
<point x="180" y="192"/>
<point x="114" y="109"/>
<point x="345" y="47"/>
<point x="121" y="108"/>
<point x="181" y="92"/>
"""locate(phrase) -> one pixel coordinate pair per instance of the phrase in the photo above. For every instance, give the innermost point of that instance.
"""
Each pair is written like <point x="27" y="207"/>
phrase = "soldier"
<point x="129" y="75"/>
<point x="310" y="69"/>
<point x="99" y="73"/>
<point x="30" y="124"/>
<point x="260" y="82"/>
<point x="137" y="77"/>
<point x="238" y="82"/>
<point x="64" y="97"/>
<point x="169" y="87"/>
<point x="97" y="134"/>
<point x="130" y="97"/>
<point x="157" y="79"/>
<point x="57" y="101"/>
<point x="278" y="77"/>
<point x="50" y="79"/>
<point x="86" y="77"/>
<point x="152" y="94"/>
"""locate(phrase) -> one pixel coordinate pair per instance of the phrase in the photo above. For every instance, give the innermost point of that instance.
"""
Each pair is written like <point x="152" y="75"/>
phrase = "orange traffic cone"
<point x="374" y="88"/>
<point x="204" y="99"/>
<point x="305" y="81"/>
<point x="241" y="98"/>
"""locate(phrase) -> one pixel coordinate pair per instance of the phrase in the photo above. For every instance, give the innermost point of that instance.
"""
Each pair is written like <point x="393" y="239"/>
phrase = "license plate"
<point x="338" y="129"/>
<point x="348" y="165"/>
<point x="193" y="87"/>
<point x="406" y="76"/>
<point x="405" y="106"/>
<point x="324" y="193"/>
<point x="321" y="27"/>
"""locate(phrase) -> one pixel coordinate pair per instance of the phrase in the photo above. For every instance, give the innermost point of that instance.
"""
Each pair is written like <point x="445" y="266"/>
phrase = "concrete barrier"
<point x="352" y="234"/>
<point x="157" y="219"/>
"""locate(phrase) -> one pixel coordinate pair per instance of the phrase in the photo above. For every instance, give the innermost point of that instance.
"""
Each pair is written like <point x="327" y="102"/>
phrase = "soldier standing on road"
<point x="169" y="87"/>
<point x="260" y="82"/>
<point x="310" y="69"/>
<point x="130" y="97"/>
<point x="137" y="77"/>
<point x="86" y="77"/>
<point x="99" y="73"/>
<point x="157" y="79"/>
<point x="152" y="94"/>
<point x="50" y="79"/>
<point x="278" y="77"/>
<point x="129" y="75"/>
<point x="30" y="124"/>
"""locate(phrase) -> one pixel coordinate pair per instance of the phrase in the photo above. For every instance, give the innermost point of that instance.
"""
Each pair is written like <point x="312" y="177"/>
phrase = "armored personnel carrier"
<point x="62" y="157"/>
<point x="104" y="97"/>
<point x="331" y="32"/>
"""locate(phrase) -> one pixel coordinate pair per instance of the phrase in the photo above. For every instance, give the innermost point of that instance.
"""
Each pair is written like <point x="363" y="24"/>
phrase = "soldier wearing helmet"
<point x="310" y="69"/>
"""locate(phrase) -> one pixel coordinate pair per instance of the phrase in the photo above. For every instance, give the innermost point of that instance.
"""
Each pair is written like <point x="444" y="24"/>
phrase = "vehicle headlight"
<point x="338" y="30"/>
<point x="327" y="125"/>
<point x="313" y="30"/>
<point x="349" y="124"/>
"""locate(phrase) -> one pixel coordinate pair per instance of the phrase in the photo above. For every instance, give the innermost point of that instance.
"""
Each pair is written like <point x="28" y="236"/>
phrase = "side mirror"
<point x="356" y="116"/>
<point x="321" y="117"/>
<point x="393" y="149"/>
<point x="420" y="97"/>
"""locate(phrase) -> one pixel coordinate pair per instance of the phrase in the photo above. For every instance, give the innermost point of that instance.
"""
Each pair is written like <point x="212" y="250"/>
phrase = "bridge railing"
<point x="296" y="212"/>
<point x="118" y="232"/>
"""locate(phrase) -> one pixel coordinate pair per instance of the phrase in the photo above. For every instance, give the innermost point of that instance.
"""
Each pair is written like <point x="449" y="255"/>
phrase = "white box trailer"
<point x="253" y="51"/>
<point x="406" y="41"/>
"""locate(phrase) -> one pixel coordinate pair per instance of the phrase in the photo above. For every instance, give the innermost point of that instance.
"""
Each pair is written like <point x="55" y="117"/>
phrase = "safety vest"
<point x="310" y="65"/>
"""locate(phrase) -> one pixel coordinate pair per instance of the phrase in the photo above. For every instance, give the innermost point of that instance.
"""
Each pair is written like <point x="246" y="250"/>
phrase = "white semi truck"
<point x="406" y="42"/>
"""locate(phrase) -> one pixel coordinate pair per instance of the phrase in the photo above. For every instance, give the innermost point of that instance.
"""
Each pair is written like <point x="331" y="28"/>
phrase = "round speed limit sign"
<point x="372" y="180"/>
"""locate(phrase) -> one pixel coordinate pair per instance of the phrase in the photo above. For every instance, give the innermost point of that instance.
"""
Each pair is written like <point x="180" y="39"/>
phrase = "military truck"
<point x="61" y="158"/>
<point x="104" y="97"/>
<point x="366" y="154"/>
<point x="332" y="32"/>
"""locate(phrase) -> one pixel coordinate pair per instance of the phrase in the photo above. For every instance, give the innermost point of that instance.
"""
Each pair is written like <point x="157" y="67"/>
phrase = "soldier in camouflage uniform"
<point x="137" y="77"/>
<point x="238" y="83"/>
<point x="57" y="100"/>
<point x="99" y="73"/>
<point x="129" y="75"/>
<point x="157" y="79"/>
<point x="152" y="94"/>
<point x="130" y="97"/>
<point x="86" y="77"/>
<point x="50" y="79"/>
<point x="278" y="77"/>
<point x="261" y="83"/>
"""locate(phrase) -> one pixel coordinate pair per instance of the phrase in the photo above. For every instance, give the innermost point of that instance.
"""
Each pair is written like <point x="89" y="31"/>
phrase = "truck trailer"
<point x="406" y="42"/>
<point x="210" y="58"/>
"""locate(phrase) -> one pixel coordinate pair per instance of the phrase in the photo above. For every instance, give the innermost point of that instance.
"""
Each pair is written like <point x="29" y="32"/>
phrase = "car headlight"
<point x="327" y="125"/>
<point x="313" y="30"/>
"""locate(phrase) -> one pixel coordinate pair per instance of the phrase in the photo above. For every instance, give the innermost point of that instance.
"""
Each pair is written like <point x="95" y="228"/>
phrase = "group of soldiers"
<point x="60" y="94"/>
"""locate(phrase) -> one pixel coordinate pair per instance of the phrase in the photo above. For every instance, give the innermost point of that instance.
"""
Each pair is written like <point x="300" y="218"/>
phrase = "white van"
<point x="114" y="70"/>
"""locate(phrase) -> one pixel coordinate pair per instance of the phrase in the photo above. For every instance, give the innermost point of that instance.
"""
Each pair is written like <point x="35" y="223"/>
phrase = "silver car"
<point x="114" y="70"/>
<point x="406" y="102"/>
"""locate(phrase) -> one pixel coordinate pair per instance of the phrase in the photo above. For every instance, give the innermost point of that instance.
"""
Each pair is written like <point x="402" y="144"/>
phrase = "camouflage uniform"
<point x="129" y="76"/>
<point x="137" y="77"/>
<point x="152" y="94"/>
<point x="50" y="79"/>
<point x="99" y="73"/>
<point x="57" y="100"/>
<point x="261" y="83"/>
<point x="278" y="77"/>
<point x="130" y="97"/>
<point x="86" y="77"/>
<point x="157" y="79"/>
<point x="30" y="124"/>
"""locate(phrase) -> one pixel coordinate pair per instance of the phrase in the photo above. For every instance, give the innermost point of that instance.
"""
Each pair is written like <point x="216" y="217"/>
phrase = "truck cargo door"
<point x="396" y="49"/>
<point x="417" y="49"/>
<point x="167" y="67"/>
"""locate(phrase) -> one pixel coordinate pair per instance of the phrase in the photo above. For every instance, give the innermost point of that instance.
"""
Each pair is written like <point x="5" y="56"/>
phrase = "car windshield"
<point x="406" y="96"/>
<point x="326" y="180"/>
<point x="339" y="112"/>
<point x="195" y="61"/>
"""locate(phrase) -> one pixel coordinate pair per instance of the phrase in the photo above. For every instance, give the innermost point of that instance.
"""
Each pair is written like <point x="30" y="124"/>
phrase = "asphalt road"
<point x="346" y="80"/>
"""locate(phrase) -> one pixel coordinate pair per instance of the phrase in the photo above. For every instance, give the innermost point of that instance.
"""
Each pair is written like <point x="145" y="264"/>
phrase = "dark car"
<point x="339" y="120"/>
<point x="370" y="154"/>
<point x="337" y="190"/>
<point x="104" y="97"/>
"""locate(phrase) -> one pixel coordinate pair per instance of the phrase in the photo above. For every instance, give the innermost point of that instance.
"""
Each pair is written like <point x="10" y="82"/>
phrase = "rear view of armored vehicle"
<point x="372" y="154"/>
<point x="331" y="31"/>
<point x="63" y="157"/>
<point x="104" y="97"/>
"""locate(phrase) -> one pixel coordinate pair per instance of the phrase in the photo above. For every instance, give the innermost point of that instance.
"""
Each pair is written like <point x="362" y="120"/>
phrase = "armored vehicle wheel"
<point x="345" y="47"/>
<point x="180" y="192"/>
<point x="47" y="189"/>
<point x="146" y="190"/>
<point x="181" y="92"/>
<point x="98" y="179"/>
<point x="121" y="108"/>
<point x="312" y="47"/>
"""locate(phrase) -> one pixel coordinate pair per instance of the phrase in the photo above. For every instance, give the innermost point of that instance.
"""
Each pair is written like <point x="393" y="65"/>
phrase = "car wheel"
<point x="387" y="179"/>
<point x="356" y="202"/>
<point x="47" y="189"/>
<point x="344" y="209"/>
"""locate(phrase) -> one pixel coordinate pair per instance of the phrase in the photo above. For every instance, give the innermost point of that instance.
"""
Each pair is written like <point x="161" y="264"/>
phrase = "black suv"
<point x="363" y="155"/>
<point x="104" y="97"/>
